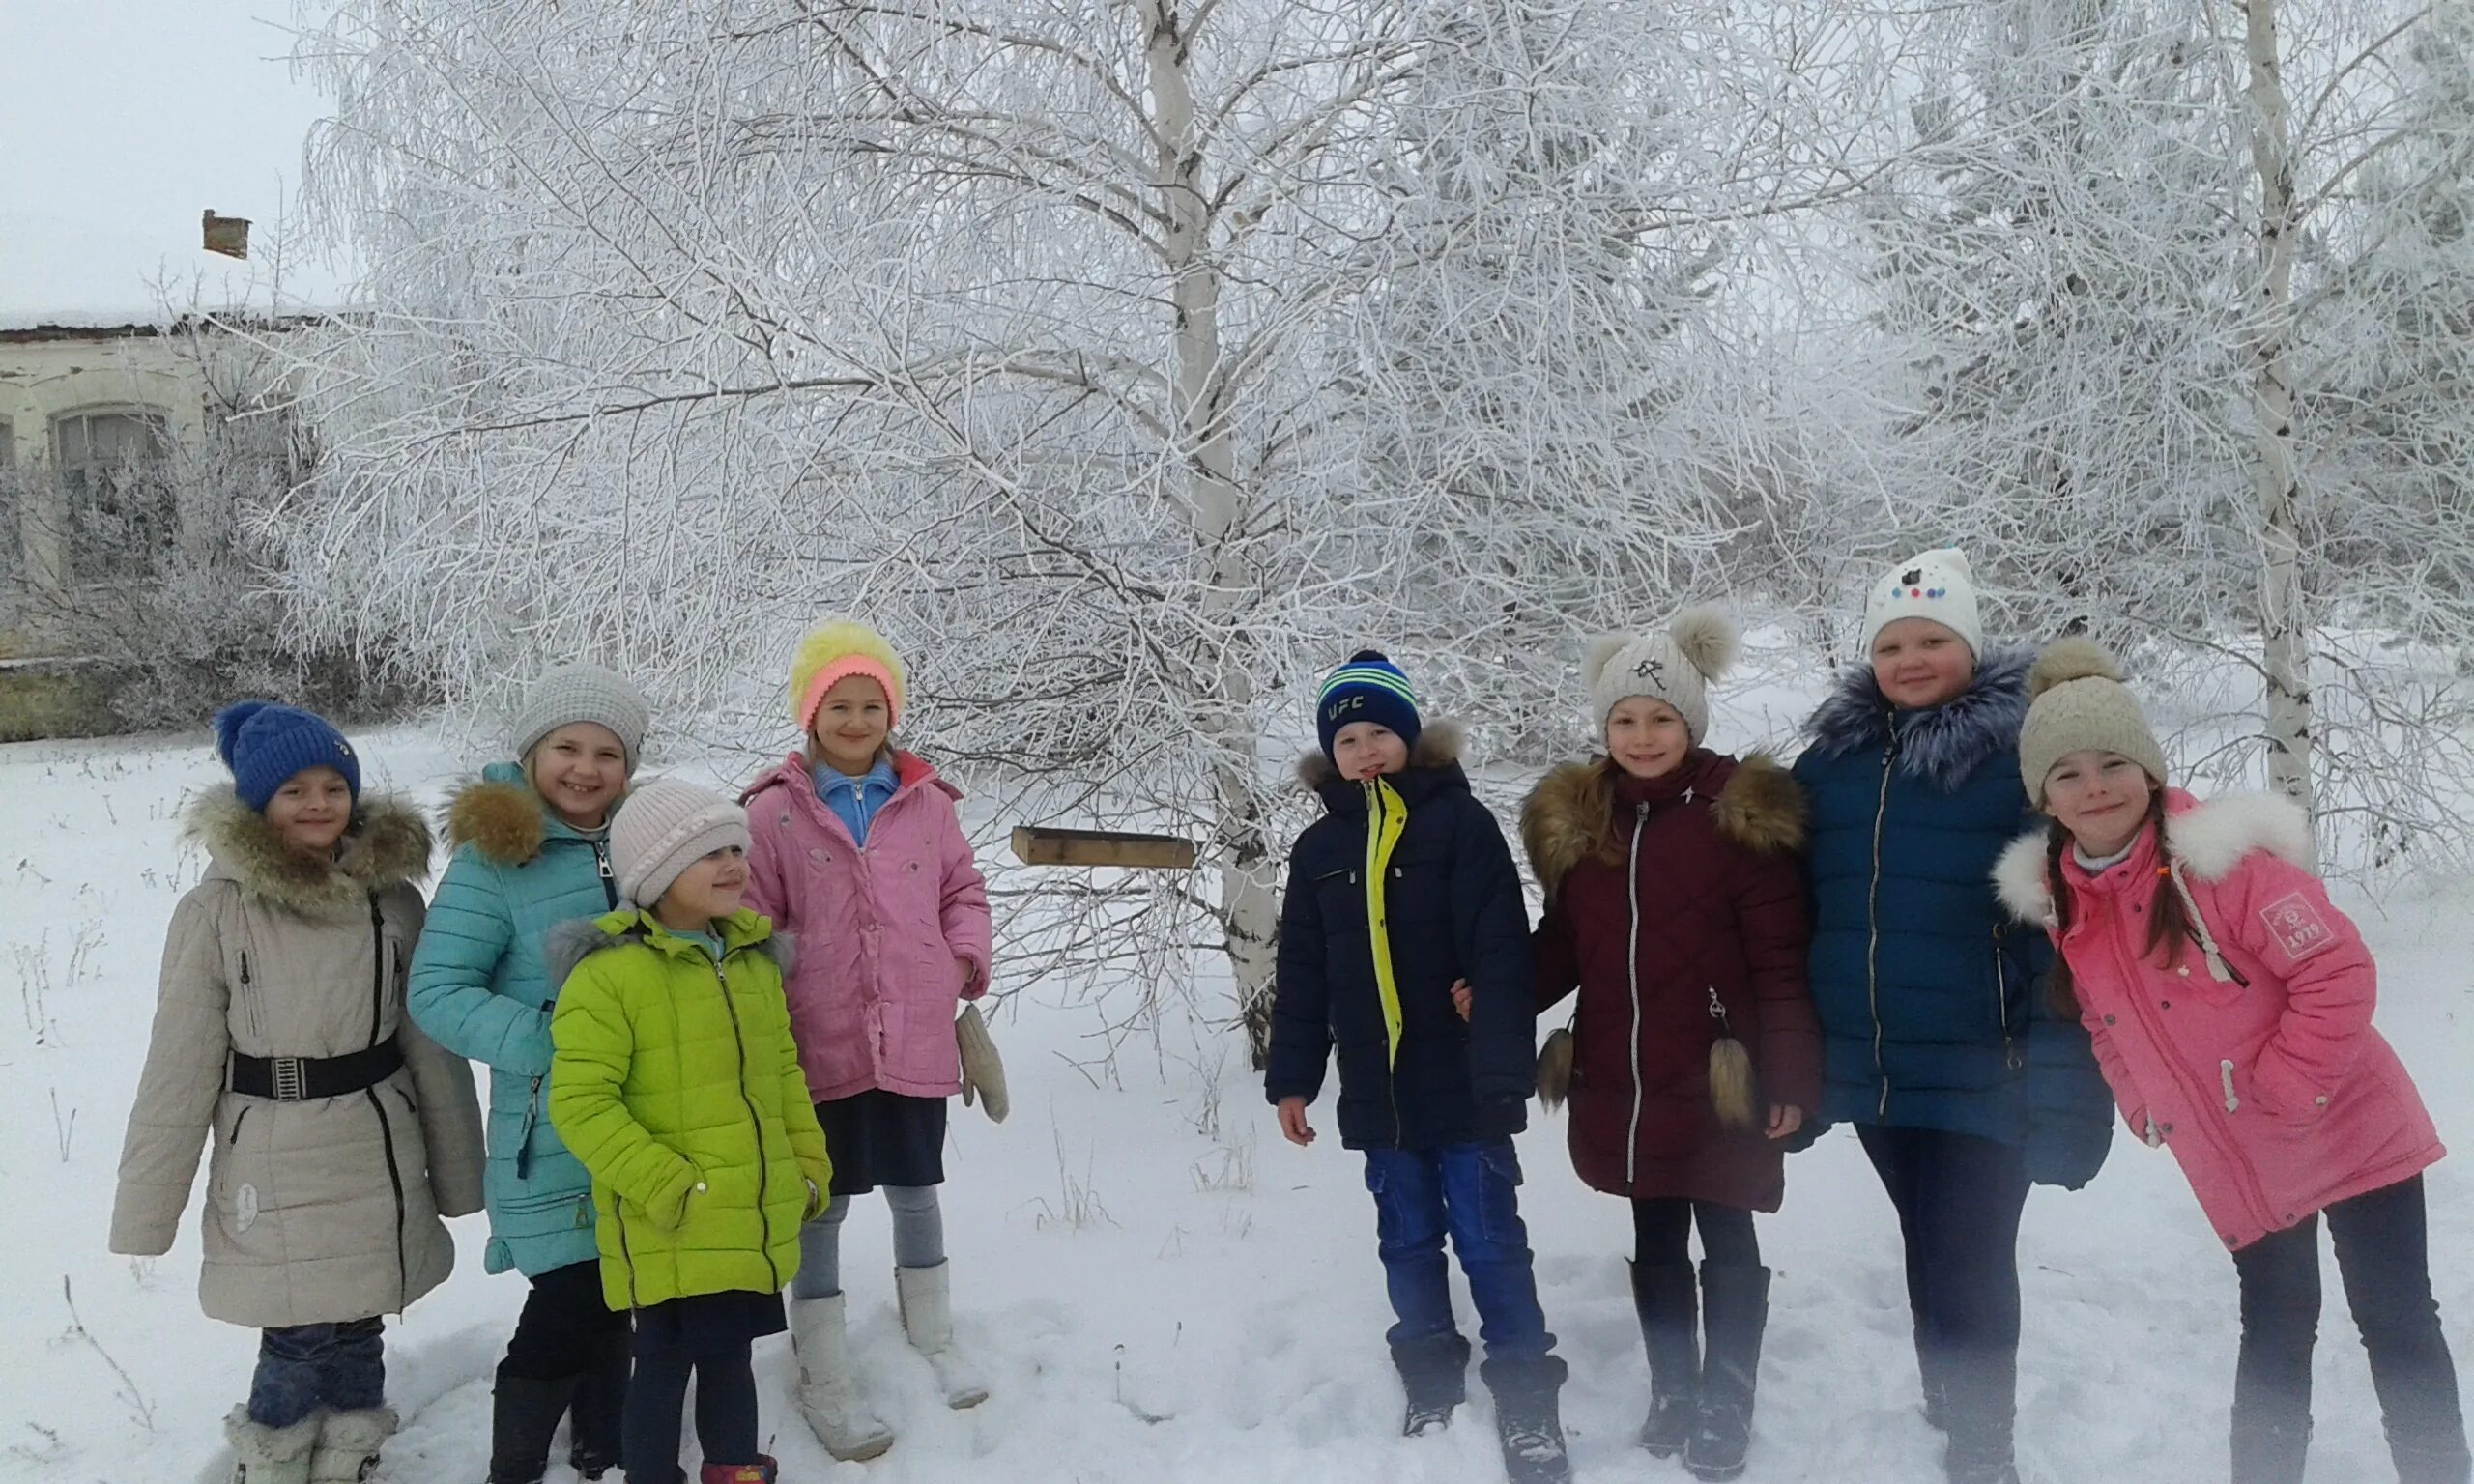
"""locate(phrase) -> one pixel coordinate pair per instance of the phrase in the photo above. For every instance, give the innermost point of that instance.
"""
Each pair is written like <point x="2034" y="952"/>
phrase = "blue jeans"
<point x="1471" y="1191"/>
<point x="303" y="1367"/>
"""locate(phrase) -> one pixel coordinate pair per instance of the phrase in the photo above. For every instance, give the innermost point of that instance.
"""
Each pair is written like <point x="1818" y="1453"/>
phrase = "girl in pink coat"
<point x="858" y="853"/>
<point x="2230" y="1004"/>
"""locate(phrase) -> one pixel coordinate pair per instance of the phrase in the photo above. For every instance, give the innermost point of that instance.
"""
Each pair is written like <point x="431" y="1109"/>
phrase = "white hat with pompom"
<point x="1674" y="667"/>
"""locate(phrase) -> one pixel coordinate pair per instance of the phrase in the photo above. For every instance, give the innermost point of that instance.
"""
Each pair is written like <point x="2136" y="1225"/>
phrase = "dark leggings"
<point x="725" y="1409"/>
<point x="565" y="1326"/>
<point x="1663" y="1234"/>
<point x="2383" y="1258"/>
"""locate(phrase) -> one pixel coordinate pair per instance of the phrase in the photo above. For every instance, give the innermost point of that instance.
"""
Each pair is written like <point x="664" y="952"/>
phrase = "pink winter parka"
<point x="2251" y="1056"/>
<point x="873" y="990"/>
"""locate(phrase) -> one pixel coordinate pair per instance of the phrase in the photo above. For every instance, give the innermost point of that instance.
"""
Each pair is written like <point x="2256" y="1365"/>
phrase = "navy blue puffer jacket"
<point x="1455" y="910"/>
<point x="1931" y="1002"/>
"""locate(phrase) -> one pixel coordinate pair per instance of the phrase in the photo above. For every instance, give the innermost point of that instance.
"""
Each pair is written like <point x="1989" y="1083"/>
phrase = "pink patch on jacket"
<point x="2270" y="1088"/>
<point x="873" y="989"/>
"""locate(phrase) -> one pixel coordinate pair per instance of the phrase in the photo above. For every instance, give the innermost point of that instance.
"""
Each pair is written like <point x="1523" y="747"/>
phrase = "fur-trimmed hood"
<point x="2209" y="839"/>
<point x="1942" y="744"/>
<point x="1758" y="807"/>
<point x="1438" y="747"/>
<point x="388" y="845"/>
<point x="571" y="943"/>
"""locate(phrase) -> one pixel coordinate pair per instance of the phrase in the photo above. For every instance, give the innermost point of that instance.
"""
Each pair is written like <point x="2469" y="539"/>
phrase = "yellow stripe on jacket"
<point x="1386" y="816"/>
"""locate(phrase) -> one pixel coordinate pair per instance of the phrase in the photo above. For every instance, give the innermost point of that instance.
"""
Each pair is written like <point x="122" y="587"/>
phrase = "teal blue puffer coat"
<point x="479" y="989"/>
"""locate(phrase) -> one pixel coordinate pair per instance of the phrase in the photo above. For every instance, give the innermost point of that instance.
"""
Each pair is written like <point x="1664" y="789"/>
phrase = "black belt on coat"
<point x="296" y="1078"/>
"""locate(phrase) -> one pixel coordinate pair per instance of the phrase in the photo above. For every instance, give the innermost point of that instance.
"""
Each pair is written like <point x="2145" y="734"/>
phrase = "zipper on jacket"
<point x="2224" y="1074"/>
<point x="626" y="1254"/>
<point x="1391" y="1060"/>
<point x="524" y="1135"/>
<point x="1873" y="916"/>
<point x="249" y="994"/>
<point x="377" y="968"/>
<point x="2001" y="1003"/>
<point x="608" y="878"/>
<point x="1632" y="973"/>
<point x="755" y="1120"/>
<point x="395" y="1178"/>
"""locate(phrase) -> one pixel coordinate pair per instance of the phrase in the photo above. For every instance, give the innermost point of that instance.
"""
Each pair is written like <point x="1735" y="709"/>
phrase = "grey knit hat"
<point x="2080" y="706"/>
<point x="666" y="826"/>
<point x="1674" y="667"/>
<point x="582" y="693"/>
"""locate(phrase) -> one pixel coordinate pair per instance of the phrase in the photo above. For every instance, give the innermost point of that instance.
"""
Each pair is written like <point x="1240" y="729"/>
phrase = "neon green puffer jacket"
<point x="676" y="1082"/>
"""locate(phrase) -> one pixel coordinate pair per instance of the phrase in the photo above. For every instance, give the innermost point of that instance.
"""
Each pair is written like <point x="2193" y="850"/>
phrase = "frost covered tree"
<point x="2061" y="250"/>
<point x="1027" y="332"/>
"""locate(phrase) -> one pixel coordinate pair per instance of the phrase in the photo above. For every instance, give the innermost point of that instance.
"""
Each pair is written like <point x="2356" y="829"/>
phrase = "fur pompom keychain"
<point x="1731" y="1089"/>
<point x="1555" y="1065"/>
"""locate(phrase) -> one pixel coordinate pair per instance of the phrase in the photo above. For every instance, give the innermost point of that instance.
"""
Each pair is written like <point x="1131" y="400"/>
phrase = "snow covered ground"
<point x="1161" y="1288"/>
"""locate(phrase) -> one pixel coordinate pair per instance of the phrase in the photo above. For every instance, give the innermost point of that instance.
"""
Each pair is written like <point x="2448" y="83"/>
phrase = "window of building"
<point x="111" y="466"/>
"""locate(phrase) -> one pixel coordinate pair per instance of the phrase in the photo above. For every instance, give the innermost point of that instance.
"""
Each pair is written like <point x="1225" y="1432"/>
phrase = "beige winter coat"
<point x="323" y="1209"/>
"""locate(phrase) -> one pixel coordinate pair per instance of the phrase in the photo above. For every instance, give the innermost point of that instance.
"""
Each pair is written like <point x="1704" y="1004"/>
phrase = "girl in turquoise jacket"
<point x="532" y="851"/>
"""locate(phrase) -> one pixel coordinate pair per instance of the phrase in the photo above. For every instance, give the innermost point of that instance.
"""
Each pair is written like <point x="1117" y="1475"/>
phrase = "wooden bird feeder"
<point x="1041" y="845"/>
<point x="227" y="235"/>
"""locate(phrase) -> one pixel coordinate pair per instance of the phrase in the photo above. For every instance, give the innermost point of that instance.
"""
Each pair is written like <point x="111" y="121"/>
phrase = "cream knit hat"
<point x="2081" y="704"/>
<point x="1674" y="667"/>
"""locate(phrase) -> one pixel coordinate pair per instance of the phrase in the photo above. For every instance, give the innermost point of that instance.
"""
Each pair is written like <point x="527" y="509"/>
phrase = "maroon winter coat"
<point x="1702" y="893"/>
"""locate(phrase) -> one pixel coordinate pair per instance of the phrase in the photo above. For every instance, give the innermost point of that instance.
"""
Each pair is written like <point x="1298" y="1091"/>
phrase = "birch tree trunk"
<point x="1222" y="664"/>
<point x="2284" y="632"/>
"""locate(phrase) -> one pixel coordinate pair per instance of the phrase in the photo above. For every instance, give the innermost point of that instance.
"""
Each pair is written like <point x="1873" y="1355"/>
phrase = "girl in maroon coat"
<point x="1675" y="905"/>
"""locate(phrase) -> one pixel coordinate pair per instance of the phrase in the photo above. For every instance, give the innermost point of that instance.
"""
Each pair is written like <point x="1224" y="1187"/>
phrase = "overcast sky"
<point x="124" y="120"/>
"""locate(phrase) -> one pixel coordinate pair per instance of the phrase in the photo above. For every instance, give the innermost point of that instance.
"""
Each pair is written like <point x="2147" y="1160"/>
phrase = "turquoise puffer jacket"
<point x="479" y="989"/>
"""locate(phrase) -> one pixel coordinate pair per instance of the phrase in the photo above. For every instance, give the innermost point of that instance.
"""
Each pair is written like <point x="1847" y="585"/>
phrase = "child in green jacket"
<point x="674" y="1078"/>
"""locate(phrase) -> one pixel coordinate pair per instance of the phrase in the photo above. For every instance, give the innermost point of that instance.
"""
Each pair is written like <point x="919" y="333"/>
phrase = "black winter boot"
<point x="1980" y="1400"/>
<point x="1735" y="1305"/>
<point x="1435" y="1375"/>
<point x="1528" y="1419"/>
<point x="524" y="1411"/>
<point x="600" y="1402"/>
<point x="1668" y="1302"/>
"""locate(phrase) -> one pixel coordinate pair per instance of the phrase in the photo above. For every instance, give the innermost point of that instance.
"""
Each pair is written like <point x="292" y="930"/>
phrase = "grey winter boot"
<point x="1528" y="1417"/>
<point x="1667" y="1300"/>
<point x="927" y="1296"/>
<point x="269" y="1455"/>
<point x="348" y="1444"/>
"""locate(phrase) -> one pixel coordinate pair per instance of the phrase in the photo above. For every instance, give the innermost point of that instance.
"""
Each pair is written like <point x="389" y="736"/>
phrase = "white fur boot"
<point x="828" y="1396"/>
<point x="348" y="1444"/>
<point x="269" y="1455"/>
<point x="928" y="1317"/>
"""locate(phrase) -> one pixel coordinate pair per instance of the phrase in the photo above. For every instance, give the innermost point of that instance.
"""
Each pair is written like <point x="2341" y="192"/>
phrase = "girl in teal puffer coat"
<point x="532" y="851"/>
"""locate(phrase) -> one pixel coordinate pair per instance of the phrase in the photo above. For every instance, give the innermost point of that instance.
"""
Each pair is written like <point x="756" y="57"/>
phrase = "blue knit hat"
<point x="264" y="744"/>
<point x="1368" y="688"/>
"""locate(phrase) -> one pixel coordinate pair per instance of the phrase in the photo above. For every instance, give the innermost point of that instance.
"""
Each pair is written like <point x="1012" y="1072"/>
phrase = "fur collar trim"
<point x="1438" y="747"/>
<point x="1943" y="745"/>
<point x="1759" y="807"/>
<point x="2210" y="840"/>
<point x="570" y="943"/>
<point x="388" y="845"/>
<point x="506" y="821"/>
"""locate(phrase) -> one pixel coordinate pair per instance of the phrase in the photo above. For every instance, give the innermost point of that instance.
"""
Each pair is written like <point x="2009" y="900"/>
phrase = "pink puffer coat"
<point x="2254" y="1063"/>
<point x="872" y="990"/>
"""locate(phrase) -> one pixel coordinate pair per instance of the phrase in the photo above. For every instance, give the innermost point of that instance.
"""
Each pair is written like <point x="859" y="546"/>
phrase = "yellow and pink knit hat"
<point x="836" y="651"/>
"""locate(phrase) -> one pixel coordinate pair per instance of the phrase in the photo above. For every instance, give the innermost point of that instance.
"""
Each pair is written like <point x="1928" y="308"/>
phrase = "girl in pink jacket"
<point x="2231" y="1005"/>
<point x="858" y="853"/>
